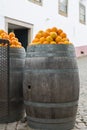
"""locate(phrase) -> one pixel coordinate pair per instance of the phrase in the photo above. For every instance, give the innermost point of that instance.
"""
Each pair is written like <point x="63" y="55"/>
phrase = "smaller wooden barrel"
<point x="51" y="86"/>
<point x="12" y="62"/>
<point x="16" y="69"/>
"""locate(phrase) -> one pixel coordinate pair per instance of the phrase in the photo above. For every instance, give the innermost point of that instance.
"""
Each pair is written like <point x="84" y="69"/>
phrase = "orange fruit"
<point x="63" y="35"/>
<point x="53" y="35"/>
<point x="0" y="37"/>
<point x="66" y="42"/>
<point x="58" y="39"/>
<point x="19" y="43"/>
<point x="1" y="45"/>
<point x="35" y="40"/>
<point x="11" y="37"/>
<point x="49" y="39"/>
<point x="54" y="29"/>
<point x="45" y="42"/>
<point x="1" y="31"/>
<point x="42" y="39"/>
<point x="59" y="31"/>
<point x="48" y="30"/>
<point x="14" y="42"/>
<point x="52" y="42"/>
<point x="64" y="39"/>
<point x="14" y="38"/>
<point x="11" y="34"/>
<point x="61" y="42"/>
<point x="38" y="35"/>
<point x="50" y="36"/>
<point x="46" y="34"/>
<point x="4" y="36"/>
<point x="12" y="45"/>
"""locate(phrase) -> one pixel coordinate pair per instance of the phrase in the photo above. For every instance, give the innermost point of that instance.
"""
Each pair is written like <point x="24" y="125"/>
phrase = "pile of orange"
<point x="14" y="42"/>
<point x="50" y="36"/>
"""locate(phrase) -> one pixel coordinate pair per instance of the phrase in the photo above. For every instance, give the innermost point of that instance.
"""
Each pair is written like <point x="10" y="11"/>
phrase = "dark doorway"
<point x="22" y="35"/>
<point x="23" y="32"/>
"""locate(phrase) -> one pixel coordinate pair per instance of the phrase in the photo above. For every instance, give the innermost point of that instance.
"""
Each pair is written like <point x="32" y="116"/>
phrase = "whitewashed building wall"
<point x="46" y="16"/>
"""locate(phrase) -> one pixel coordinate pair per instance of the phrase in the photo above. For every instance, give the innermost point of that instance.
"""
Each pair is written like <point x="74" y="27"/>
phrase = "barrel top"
<point x="49" y="50"/>
<point x="51" y="47"/>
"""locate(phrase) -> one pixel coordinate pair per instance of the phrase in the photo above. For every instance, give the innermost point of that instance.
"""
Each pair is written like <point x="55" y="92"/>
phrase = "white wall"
<point x="81" y="30"/>
<point x="2" y="7"/>
<point x="2" y="22"/>
<point x="47" y="16"/>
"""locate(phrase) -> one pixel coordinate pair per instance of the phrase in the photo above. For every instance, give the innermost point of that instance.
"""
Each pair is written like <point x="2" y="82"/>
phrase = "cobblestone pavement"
<point x="81" y="119"/>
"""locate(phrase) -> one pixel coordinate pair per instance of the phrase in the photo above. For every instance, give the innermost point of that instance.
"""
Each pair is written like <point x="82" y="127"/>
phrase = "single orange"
<point x="14" y="38"/>
<point x="58" y="39"/>
<point x="11" y="34"/>
<point x="46" y="34"/>
<point x="54" y="29"/>
<point x="38" y="35"/>
<point x="59" y="31"/>
<point x="63" y="35"/>
<point x="1" y="31"/>
<point x="64" y="39"/>
<point x="53" y="35"/>
<point x="49" y="39"/>
<point x="42" y="39"/>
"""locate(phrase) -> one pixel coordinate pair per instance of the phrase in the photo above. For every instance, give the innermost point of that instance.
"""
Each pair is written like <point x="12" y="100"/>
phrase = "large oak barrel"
<point x="12" y="62"/>
<point x="51" y="86"/>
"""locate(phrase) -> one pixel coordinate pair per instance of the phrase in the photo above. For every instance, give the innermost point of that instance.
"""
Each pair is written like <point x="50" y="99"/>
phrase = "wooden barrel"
<point x="16" y="68"/>
<point x="51" y="86"/>
<point x="11" y="87"/>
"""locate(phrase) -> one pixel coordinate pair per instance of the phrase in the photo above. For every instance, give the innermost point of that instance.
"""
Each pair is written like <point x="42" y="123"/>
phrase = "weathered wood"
<point x="11" y="85"/>
<point x="82" y="114"/>
<point x="16" y="105"/>
<point x="51" y="86"/>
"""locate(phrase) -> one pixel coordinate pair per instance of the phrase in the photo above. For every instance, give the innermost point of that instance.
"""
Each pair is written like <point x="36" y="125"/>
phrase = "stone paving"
<point x="81" y="119"/>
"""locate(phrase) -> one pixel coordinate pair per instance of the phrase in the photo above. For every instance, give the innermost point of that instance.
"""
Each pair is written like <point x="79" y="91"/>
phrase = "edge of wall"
<point x="81" y="51"/>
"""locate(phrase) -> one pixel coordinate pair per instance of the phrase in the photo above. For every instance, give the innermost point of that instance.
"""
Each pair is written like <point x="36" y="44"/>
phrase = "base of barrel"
<point x="13" y="118"/>
<point x="51" y="126"/>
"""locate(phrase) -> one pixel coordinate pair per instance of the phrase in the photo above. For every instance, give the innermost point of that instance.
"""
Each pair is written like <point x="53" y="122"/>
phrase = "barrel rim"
<point x="51" y="47"/>
<point x="62" y="44"/>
